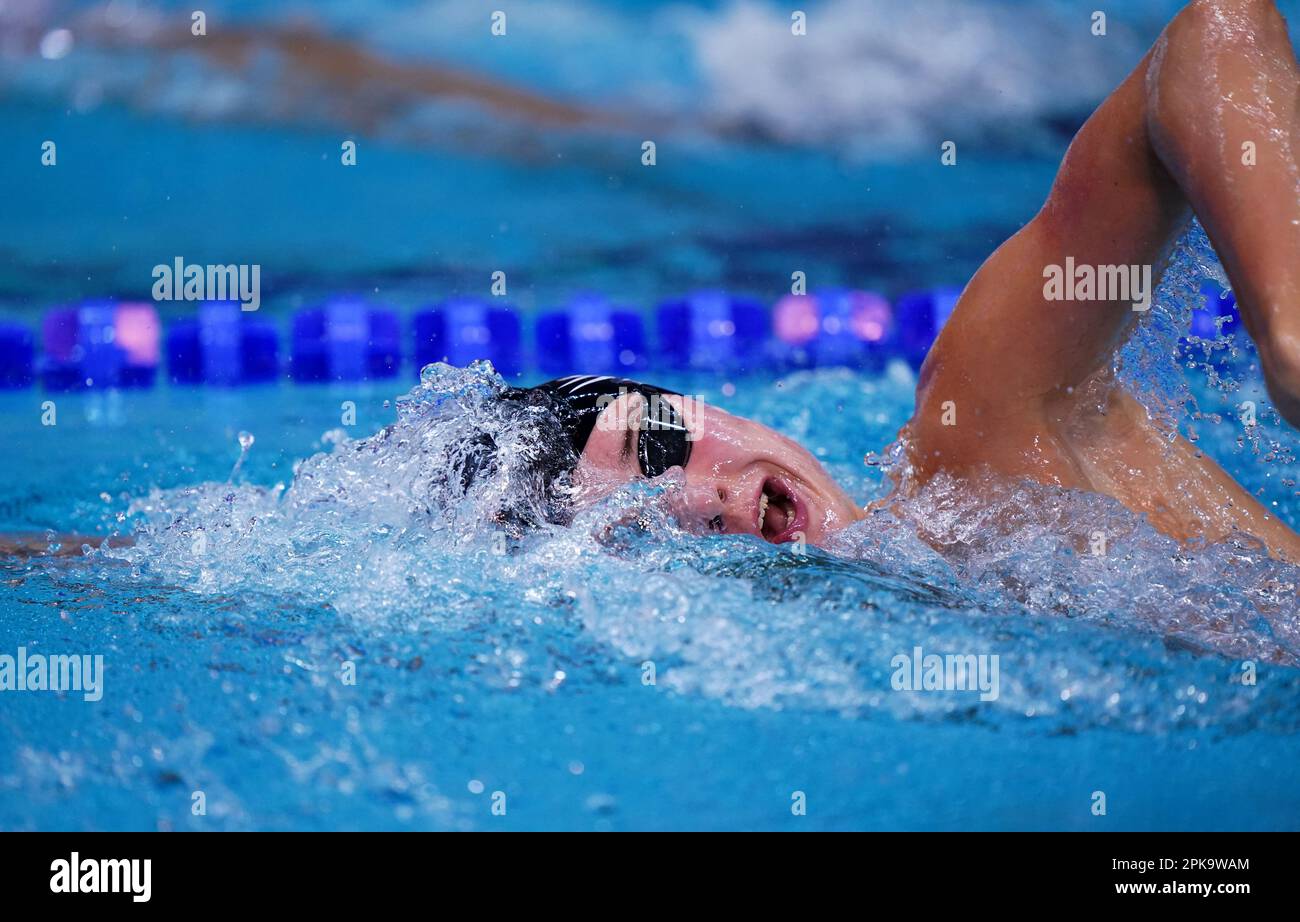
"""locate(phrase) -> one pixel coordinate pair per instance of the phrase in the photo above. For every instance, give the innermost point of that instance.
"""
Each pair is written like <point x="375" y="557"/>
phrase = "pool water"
<point x="621" y="673"/>
<point x="313" y="633"/>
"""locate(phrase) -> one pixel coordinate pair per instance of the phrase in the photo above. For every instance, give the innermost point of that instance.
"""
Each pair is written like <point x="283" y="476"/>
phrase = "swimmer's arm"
<point x="1008" y="354"/>
<point x="1169" y="140"/>
<point x="52" y="545"/>
<point x="1021" y="370"/>
<point x="1224" y="116"/>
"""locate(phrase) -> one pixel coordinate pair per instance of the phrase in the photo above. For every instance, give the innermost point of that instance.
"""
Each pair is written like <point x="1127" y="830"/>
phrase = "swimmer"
<point x="1026" y="381"/>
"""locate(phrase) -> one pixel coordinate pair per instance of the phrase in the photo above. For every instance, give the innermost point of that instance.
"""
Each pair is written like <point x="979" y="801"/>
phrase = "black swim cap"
<point x="663" y="441"/>
<point x="559" y="417"/>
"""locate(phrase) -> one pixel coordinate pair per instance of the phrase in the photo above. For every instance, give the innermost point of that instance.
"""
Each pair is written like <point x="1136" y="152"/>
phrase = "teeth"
<point x="762" y="510"/>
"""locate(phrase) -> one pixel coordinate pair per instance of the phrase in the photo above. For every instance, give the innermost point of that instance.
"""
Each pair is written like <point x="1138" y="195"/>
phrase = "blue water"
<point x="256" y="584"/>
<point x="226" y="632"/>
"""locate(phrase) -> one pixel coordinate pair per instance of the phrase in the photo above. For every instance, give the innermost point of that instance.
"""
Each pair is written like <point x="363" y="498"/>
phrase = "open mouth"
<point x="780" y="513"/>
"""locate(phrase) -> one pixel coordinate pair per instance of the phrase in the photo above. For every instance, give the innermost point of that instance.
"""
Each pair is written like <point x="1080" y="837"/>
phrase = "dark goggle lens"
<point x="662" y="441"/>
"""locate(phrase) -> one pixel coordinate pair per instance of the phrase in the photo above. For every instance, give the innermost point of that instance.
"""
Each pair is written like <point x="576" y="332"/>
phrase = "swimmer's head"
<point x="740" y="477"/>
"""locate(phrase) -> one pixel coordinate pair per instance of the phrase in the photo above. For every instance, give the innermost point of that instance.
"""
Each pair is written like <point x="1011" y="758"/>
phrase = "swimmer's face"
<point x="741" y="477"/>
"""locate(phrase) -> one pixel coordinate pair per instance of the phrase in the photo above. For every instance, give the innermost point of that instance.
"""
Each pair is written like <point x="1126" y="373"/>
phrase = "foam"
<point x="1151" y="637"/>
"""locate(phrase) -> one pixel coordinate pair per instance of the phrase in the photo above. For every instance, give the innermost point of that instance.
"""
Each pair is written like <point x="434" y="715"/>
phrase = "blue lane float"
<point x="384" y="349"/>
<point x="222" y="347"/>
<point x="137" y="332"/>
<point x="835" y="327"/>
<point x="712" y="331"/>
<point x="60" y="365"/>
<point x="184" y="353"/>
<point x="345" y="340"/>
<point x="17" y="356"/>
<point x="464" y="330"/>
<point x="590" y="337"/>
<point x="219" y="337"/>
<point x="101" y="358"/>
<point x="919" y="316"/>
<point x="100" y="344"/>
<point x="259" y="352"/>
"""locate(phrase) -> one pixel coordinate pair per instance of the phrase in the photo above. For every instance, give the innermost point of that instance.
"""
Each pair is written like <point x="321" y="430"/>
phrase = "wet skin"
<point x="741" y="478"/>
<point x="1030" y="379"/>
